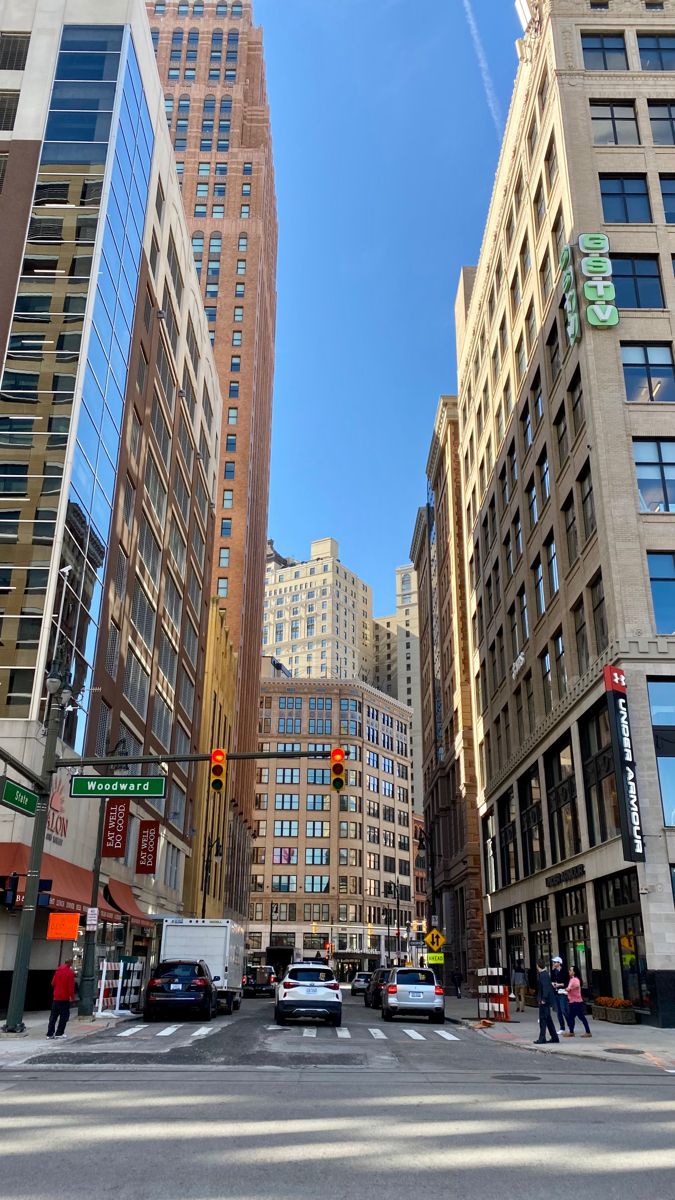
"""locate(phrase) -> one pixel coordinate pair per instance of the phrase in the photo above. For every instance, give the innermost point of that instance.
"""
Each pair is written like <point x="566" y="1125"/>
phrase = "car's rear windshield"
<point x="311" y="975"/>
<point x="363" y="975"/>
<point x="182" y="970"/>
<point x="409" y="976"/>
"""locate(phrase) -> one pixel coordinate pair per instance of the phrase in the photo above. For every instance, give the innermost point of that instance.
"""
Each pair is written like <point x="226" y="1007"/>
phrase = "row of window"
<point x="607" y="52"/>
<point x="183" y="8"/>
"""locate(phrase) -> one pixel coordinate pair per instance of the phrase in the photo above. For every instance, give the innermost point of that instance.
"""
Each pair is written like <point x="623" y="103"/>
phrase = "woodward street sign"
<point x="99" y="785"/>
<point x="12" y="795"/>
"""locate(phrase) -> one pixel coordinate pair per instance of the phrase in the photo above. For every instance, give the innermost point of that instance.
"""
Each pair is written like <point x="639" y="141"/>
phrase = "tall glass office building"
<point x="65" y="371"/>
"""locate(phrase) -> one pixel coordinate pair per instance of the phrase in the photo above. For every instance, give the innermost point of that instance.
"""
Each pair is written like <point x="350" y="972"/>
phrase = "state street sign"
<point x="435" y="940"/>
<point x="12" y="795"/>
<point x="100" y="785"/>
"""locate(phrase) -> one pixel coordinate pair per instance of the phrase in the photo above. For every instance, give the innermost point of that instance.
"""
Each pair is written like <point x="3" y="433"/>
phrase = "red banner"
<point x="114" y="844"/>
<point x="148" y="847"/>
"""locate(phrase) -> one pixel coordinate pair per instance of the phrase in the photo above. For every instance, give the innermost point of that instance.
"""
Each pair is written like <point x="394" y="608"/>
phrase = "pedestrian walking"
<point x="519" y="985"/>
<point x="457" y="980"/>
<point x="63" y="988"/>
<point x="558" y="981"/>
<point x="576" y="1005"/>
<point x="545" y="998"/>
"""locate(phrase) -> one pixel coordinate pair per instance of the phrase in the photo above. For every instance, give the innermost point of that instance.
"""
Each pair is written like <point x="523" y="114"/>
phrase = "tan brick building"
<point x="448" y="772"/>
<point x="396" y="663"/>
<point x="324" y="864"/>
<point x="567" y="430"/>
<point x="210" y="61"/>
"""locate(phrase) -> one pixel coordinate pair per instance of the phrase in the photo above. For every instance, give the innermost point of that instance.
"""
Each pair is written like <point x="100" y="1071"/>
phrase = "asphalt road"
<point x="246" y="1111"/>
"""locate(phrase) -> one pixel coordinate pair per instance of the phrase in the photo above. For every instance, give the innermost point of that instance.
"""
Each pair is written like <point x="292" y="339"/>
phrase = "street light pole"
<point x="214" y="849"/>
<point x="60" y="694"/>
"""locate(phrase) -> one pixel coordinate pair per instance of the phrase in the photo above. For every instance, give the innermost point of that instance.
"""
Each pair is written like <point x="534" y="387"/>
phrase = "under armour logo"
<point x="619" y="677"/>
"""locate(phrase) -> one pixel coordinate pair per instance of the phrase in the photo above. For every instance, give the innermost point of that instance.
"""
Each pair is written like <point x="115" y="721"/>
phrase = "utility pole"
<point x="60" y="694"/>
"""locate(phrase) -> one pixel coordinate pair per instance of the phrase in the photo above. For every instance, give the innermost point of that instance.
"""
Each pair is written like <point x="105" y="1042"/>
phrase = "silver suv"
<point x="413" y="991"/>
<point x="308" y="990"/>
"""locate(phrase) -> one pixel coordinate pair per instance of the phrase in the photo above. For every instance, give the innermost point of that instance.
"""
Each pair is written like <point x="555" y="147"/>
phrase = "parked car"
<point x="308" y="990"/>
<point x="179" y="985"/>
<point x="360" y="982"/>
<point x="372" y="997"/>
<point x="413" y="991"/>
<point x="259" y="981"/>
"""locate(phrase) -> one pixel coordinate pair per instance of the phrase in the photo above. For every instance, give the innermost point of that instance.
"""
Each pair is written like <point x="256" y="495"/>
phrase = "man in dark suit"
<point x="545" y="998"/>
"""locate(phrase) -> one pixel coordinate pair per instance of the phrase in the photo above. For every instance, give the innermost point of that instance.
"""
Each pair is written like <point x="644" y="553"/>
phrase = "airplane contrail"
<point x="490" y="93"/>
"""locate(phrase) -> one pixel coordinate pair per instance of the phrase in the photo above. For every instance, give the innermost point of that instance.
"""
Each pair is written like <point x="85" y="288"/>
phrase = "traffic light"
<point x="9" y="885"/>
<point x="218" y="764"/>
<point x="337" y="769"/>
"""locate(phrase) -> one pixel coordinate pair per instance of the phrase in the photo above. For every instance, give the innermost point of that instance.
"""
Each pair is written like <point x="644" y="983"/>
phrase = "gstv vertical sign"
<point x="632" y="836"/>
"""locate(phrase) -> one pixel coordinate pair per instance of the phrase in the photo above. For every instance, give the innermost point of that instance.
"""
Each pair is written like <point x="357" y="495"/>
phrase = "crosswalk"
<point x="344" y="1033"/>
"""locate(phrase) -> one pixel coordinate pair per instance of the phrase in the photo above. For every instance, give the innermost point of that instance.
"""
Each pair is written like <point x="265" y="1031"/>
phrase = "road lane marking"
<point x="378" y="1033"/>
<point x="168" y="1031"/>
<point x="130" y="1032"/>
<point x="343" y="1033"/>
<point x="309" y="1032"/>
<point x="449" y="1037"/>
<point x="416" y="1037"/>
<point x="203" y="1031"/>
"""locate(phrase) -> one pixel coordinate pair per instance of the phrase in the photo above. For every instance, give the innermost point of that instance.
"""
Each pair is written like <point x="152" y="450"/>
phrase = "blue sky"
<point x="385" y="149"/>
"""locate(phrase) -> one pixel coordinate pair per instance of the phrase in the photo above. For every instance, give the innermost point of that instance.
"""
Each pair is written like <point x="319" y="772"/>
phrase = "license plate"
<point x="415" y="995"/>
<point x="176" y="987"/>
<point x="311" y="991"/>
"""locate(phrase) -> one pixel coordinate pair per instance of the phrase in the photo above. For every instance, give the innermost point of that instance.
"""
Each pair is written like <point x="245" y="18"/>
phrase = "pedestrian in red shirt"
<point x="63" y="987"/>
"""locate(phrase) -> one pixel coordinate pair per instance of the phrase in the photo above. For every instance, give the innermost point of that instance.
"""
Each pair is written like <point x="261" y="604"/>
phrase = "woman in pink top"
<point x="577" y="1006"/>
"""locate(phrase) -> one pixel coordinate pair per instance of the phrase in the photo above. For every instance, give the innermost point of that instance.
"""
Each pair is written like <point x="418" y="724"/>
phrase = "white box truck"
<point x="221" y="945"/>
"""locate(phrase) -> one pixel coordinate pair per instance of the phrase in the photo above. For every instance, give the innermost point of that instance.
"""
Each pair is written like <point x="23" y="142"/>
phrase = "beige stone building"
<point x="332" y="870"/>
<point x="396" y="663"/>
<point x="318" y="615"/>
<point x="567" y="439"/>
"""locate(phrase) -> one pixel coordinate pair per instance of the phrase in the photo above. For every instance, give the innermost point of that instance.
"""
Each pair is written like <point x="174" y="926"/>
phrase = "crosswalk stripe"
<point x="449" y="1037"/>
<point x="309" y="1031"/>
<point x="378" y="1033"/>
<point x="168" y="1031"/>
<point x="416" y="1037"/>
<point x="130" y="1032"/>
<point x="202" y="1031"/>
<point x="343" y="1033"/>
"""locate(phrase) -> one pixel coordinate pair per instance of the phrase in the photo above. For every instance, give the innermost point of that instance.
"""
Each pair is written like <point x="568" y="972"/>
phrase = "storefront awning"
<point x="123" y="898"/>
<point x="71" y="885"/>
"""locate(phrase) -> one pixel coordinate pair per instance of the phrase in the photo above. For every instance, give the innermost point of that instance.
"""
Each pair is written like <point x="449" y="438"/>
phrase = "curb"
<point x="597" y="1055"/>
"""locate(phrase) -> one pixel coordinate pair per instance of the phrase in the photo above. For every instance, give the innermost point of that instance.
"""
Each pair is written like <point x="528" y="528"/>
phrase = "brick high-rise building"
<point x="567" y="435"/>
<point x="210" y="62"/>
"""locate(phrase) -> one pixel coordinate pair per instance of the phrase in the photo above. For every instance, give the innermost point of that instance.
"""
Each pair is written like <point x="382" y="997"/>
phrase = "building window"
<point x="662" y="118"/>
<point x="614" y="124"/>
<point x="604" y="52"/>
<point x="581" y="636"/>
<point x="552" y="566"/>
<point x="625" y="199"/>
<point x="599" y="614"/>
<point x="9" y="102"/>
<point x="662" y="706"/>
<point x="662" y="579"/>
<point x="648" y="372"/>
<point x="587" y="501"/>
<point x="570" y="518"/>
<point x="531" y="822"/>
<point x="637" y="281"/>
<point x="656" y="53"/>
<point x="546" y="682"/>
<point x="226" y="527"/>
<point x="602" y="802"/>
<point x="532" y="509"/>
<point x="538" y="584"/>
<point x="576" y="396"/>
<point x="562" y="439"/>
<point x="655" y="471"/>
<point x="561" y="795"/>
<point x="668" y="197"/>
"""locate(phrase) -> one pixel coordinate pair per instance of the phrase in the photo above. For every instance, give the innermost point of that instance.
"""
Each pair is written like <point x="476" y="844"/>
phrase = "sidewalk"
<point x="17" y="1048"/>
<point x="611" y="1043"/>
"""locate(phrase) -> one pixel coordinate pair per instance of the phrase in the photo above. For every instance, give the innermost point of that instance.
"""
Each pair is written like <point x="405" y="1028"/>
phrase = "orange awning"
<point x="71" y="885"/>
<point x="123" y="898"/>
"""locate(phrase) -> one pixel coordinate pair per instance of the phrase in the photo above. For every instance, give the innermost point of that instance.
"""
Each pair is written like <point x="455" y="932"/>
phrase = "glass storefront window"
<point x="662" y="706"/>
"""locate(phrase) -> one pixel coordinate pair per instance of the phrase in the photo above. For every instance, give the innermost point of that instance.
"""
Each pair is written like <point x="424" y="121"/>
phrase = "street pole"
<point x="88" y="978"/>
<point x="17" y="997"/>
<point x="398" y="924"/>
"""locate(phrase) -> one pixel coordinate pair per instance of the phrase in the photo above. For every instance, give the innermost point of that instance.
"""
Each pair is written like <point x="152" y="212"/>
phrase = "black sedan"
<point x="372" y="997"/>
<point x="176" y="986"/>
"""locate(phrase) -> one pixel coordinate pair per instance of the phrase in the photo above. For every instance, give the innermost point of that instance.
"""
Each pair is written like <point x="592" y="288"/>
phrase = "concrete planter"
<point x="621" y="1016"/>
<point x="599" y="1012"/>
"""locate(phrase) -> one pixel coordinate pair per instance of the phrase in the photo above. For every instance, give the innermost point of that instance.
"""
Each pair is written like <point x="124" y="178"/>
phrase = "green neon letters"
<point x="599" y="291"/>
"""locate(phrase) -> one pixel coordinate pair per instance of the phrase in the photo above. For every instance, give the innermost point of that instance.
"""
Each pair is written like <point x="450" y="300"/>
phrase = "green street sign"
<point x="101" y="785"/>
<point x="19" y="798"/>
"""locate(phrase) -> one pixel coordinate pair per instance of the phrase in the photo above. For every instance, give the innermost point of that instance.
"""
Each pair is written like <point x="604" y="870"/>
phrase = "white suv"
<point x="308" y="989"/>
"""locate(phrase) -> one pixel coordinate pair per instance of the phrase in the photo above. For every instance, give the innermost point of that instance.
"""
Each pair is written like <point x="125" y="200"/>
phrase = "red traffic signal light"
<point x="337" y="769"/>
<point x="218" y="764"/>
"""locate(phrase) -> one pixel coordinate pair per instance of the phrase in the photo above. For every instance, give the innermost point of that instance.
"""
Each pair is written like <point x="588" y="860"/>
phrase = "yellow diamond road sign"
<point x="435" y="939"/>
